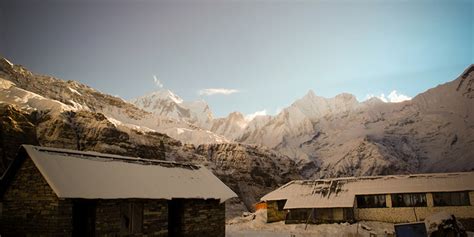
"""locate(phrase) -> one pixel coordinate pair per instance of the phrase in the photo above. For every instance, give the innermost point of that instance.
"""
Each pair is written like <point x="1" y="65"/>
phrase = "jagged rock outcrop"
<point x="16" y="129"/>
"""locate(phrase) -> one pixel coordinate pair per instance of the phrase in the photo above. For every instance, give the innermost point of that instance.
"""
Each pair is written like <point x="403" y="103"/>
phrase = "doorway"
<point x="175" y="217"/>
<point x="83" y="218"/>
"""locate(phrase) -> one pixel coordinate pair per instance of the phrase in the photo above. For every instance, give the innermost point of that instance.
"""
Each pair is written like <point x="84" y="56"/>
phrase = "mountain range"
<point x="313" y="137"/>
<point x="340" y="136"/>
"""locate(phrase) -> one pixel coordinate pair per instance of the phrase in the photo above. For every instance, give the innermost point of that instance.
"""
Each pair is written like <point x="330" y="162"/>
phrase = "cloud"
<point x="217" y="91"/>
<point x="250" y="117"/>
<point x="393" y="97"/>
<point x="157" y="82"/>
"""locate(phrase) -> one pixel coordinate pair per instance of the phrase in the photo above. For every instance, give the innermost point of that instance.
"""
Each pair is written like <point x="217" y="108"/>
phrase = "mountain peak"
<point x="373" y="100"/>
<point x="236" y="115"/>
<point x="346" y="96"/>
<point x="310" y="93"/>
<point x="165" y="94"/>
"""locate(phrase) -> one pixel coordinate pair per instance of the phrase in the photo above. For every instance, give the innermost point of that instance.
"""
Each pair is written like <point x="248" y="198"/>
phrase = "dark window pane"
<point x="281" y="204"/>
<point x="299" y="214"/>
<point x="409" y="200"/>
<point x="370" y="201"/>
<point x="451" y="199"/>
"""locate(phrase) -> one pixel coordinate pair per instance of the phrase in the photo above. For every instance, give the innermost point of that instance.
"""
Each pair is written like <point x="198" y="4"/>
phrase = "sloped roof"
<point x="92" y="175"/>
<point x="341" y="192"/>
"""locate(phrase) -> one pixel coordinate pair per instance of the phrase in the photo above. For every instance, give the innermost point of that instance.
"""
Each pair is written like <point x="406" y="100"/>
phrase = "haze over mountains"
<point x="313" y="137"/>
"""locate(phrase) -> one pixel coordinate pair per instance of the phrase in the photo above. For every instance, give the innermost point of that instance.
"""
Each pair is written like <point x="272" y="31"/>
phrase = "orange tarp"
<point x="261" y="205"/>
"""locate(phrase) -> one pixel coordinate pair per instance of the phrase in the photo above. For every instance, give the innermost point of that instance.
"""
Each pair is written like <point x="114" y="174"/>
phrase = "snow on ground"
<point x="255" y="225"/>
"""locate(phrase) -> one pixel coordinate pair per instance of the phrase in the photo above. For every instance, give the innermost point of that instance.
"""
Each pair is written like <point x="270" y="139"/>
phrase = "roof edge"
<point x="12" y="169"/>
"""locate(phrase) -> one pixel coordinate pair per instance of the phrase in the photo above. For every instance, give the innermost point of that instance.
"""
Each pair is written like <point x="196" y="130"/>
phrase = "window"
<point x="409" y="200"/>
<point x="371" y="201"/>
<point x="281" y="204"/>
<point x="451" y="199"/>
<point x="298" y="215"/>
<point x="132" y="217"/>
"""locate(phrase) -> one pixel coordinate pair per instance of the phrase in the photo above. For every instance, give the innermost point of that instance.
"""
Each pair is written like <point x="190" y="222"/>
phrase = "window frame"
<point x="396" y="204"/>
<point x="359" y="199"/>
<point x="465" y="202"/>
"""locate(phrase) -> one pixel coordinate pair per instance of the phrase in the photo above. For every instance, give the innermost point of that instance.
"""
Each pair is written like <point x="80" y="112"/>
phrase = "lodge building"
<point x="58" y="192"/>
<point x="395" y="198"/>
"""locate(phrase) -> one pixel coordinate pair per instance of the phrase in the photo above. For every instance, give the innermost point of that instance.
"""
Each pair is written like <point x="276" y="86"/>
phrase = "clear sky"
<point x="264" y="53"/>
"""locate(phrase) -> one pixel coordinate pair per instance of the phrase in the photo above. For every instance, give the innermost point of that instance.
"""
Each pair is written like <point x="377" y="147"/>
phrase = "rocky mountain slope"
<point x="341" y="136"/>
<point x="29" y="90"/>
<point x="433" y="132"/>
<point x="55" y="117"/>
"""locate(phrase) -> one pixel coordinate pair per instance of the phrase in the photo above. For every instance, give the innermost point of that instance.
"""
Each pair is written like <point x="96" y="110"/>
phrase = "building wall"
<point x="203" y="218"/>
<point x="109" y="222"/>
<point x="407" y="214"/>
<point x="273" y="214"/>
<point x="31" y="206"/>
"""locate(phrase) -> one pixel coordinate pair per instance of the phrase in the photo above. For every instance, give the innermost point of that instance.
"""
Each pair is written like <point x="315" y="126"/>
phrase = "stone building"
<point x="395" y="198"/>
<point x="58" y="192"/>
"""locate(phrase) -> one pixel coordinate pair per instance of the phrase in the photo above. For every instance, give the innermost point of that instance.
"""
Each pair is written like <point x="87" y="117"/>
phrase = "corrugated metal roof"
<point x="341" y="192"/>
<point x="92" y="175"/>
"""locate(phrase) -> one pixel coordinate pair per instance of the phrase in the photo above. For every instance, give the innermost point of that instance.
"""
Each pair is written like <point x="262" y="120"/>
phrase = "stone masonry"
<point x="197" y="212"/>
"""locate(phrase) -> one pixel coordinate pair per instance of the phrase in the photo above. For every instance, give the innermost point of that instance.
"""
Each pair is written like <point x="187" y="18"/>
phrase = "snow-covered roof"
<point x="92" y="175"/>
<point x="341" y="192"/>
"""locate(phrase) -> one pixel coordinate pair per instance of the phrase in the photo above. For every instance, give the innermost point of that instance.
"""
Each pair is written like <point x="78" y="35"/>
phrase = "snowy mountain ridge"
<point x="337" y="136"/>
<point x="166" y="103"/>
<point x="48" y="93"/>
<point x="342" y="136"/>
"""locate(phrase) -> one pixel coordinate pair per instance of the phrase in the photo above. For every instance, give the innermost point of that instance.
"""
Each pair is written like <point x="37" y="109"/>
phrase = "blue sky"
<point x="268" y="53"/>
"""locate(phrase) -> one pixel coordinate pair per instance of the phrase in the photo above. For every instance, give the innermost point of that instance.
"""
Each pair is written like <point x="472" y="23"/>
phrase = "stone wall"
<point x="203" y="218"/>
<point x="109" y="222"/>
<point x="155" y="218"/>
<point x="31" y="206"/>
<point x="273" y="214"/>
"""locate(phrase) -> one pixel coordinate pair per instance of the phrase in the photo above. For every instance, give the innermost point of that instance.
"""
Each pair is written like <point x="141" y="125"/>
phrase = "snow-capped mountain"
<point x="336" y="136"/>
<point x="38" y="92"/>
<point x="231" y="126"/>
<point x="167" y="104"/>
<point x="339" y="136"/>
<point x="433" y="132"/>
